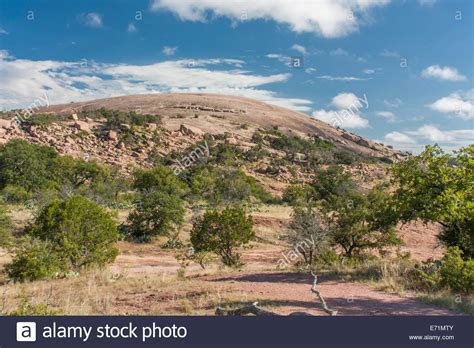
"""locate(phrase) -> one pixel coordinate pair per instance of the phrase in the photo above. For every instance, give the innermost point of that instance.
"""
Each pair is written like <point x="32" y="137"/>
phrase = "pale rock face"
<point x="74" y="117"/>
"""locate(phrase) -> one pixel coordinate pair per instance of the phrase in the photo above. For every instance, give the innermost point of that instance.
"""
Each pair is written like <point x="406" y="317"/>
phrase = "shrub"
<point x="156" y="213"/>
<point x="27" y="165"/>
<point x="457" y="273"/>
<point x="452" y="272"/>
<point x="77" y="172"/>
<point x="298" y="194"/>
<point x="222" y="232"/>
<point x="81" y="233"/>
<point x="160" y="178"/>
<point x="5" y="225"/>
<point x="331" y="182"/>
<point x="34" y="259"/>
<point x="308" y="233"/>
<point x="14" y="194"/>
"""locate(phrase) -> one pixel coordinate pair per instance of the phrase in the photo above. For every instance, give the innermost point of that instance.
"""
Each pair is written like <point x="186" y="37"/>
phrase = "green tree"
<point x="81" y="233"/>
<point x="222" y="232"/>
<point x="434" y="186"/>
<point x="78" y="172"/>
<point x="156" y="213"/>
<point x="160" y="178"/>
<point x="298" y="194"/>
<point x="160" y="206"/>
<point x="331" y="182"/>
<point x="362" y="221"/>
<point x="27" y="165"/>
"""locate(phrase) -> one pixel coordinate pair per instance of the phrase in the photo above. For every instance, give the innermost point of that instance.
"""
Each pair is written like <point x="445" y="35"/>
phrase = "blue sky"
<point x="412" y="61"/>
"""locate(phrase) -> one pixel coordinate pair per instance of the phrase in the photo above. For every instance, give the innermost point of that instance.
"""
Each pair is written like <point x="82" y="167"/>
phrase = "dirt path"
<point x="290" y="292"/>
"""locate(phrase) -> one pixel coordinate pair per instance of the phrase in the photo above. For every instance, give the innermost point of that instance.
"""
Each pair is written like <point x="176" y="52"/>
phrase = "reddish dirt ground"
<point x="290" y="292"/>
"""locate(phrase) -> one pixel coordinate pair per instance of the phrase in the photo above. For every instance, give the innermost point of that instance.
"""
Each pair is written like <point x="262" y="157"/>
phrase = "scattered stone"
<point x="112" y="135"/>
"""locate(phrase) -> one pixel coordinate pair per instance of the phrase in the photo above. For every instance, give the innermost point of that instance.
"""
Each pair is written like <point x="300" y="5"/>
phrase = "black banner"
<point x="303" y="331"/>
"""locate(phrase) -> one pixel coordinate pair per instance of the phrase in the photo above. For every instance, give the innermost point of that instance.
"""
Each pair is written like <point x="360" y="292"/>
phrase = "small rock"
<point x="112" y="135"/>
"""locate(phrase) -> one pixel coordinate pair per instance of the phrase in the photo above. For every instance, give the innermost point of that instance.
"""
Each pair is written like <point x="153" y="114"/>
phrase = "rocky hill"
<point x="184" y="119"/>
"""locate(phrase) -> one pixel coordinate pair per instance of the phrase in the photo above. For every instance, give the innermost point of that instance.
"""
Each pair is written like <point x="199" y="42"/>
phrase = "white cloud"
<point x="458" y="104"/>
<point x="386" y="114"/>
<point x="337" y="118"/>
<point x="169" y="51"/>
<point x="339" y="52"/>
<point x="341" y="78"/>
<point x="347" y="113"/>
<point x="369" y="71"/>
<point x="395" y="103"/>
<point x="310" y="70"/>
<point x="345" y="100"/>
<point x="299" y="48"/>
<point x="399" y="138"/>
<point x="327" y="18"/>
<point x="416" y="140"/>
<point x="25" y="80"/>
<point x="281" y="58"/>
<point x="93" y="20"/>
<point x="3" y="31"/>
<point x="434" y="134"/>
<point x="390" y="54"/>
<point x="131" y="28"/>
<point x="428" y="3"/>
<point x="443" y="73"/>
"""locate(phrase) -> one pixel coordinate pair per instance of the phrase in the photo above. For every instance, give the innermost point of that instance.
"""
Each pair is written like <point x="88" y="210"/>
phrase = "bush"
<point x="298" y="194"/>
<point x="16" y="194"/>
<point x="308" y="233"/>
<point x="34" y="259"/>
<point x="457" y="273"/>
<point x="26" y="165"/>
<point x="222" y="232"/>
<point x="220" y="186"/>
<point x="331" y="182"/>
<point x="156" y="213"/>
<point x="81" y="233"/>
<point x="5" y="225"/>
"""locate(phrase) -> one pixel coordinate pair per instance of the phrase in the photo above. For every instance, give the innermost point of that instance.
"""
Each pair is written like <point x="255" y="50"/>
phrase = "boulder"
<point x="82" y="126"/>
<point x="351" y="137"/>
<point x="152" y="126"/>
<point x="74" y="117"/>
<point x="190" y="130"/>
